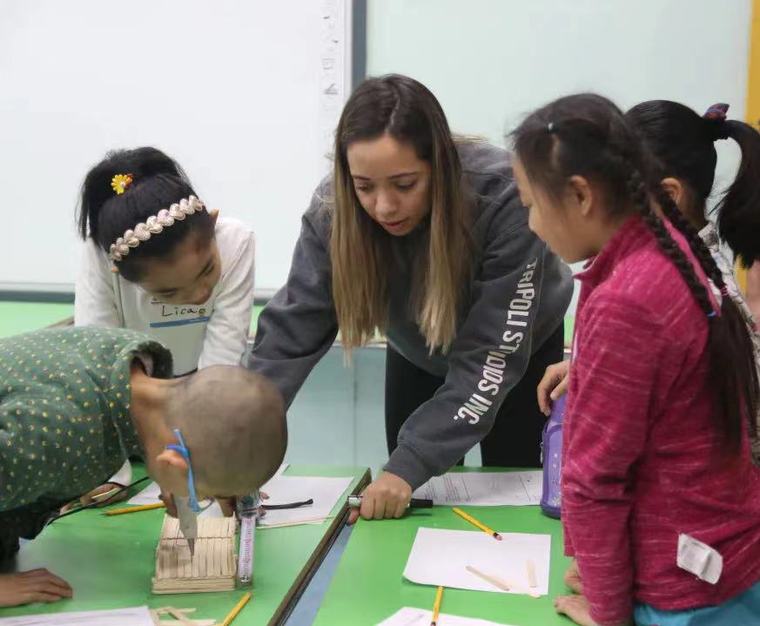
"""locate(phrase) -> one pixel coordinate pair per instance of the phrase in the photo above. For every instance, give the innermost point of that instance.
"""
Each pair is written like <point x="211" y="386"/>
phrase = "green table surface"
<point x="21" y="317"/>
<point x="369" y="586"/>
<point x="109" y="561"/>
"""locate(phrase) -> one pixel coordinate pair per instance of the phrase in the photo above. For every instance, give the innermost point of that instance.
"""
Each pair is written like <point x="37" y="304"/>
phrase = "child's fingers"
<point x="168" y="500"/>
<point x="545" y="386"/>
<point x="40" y="596"/>
<point x="44" y="574"/>
<point x="44" y="586"/>
<point x="552" y="385"/>
<point x="576" y="608"/>
<point x="560" y="389"/>
<point x="353" y="515"/>
<point x="227" y="506"/>
<point x="573" y="582"/>
<point x="49" y="588"/>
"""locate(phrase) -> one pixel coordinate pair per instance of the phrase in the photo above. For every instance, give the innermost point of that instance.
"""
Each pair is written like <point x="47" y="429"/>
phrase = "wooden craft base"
<point x="211" y="568"/>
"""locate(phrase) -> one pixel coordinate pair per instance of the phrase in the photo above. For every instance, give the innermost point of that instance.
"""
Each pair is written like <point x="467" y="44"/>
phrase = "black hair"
<point x="682" y="144"/>
<point x="158" y="182"/>
<point x="587" y="135"/>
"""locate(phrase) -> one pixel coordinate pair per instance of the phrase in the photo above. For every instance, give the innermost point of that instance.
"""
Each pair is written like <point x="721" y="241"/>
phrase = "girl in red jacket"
<point x="661" y="502"/>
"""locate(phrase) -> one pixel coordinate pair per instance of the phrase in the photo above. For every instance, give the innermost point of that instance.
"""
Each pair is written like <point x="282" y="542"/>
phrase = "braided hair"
<point x="587" y="135"/>
<point x="726" y="330"/>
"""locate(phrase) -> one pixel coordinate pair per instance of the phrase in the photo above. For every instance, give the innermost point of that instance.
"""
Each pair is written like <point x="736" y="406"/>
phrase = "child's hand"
<point x="576" y="608"/>
<point x="573" y="577"/>
<point x="37" y="585"/>
<point x="168" y="500"/>
<point x="228" y="505"/>
<point x="103" y="493"/>
<point x="553" y="385"/>
<point x="388" y="496"/>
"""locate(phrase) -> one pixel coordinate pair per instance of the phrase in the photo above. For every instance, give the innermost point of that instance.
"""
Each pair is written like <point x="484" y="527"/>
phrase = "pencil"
<point x="477" y="524"/>
<point x="437" y="606"/>
<point x="136" y="509"/>
<point x="236" y="609"/>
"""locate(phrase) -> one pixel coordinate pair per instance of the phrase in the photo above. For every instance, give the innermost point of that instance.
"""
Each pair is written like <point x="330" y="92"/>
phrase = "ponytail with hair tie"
<point x="715" y="116"/>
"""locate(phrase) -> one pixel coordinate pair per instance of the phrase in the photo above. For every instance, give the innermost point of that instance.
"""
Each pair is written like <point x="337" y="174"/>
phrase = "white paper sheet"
<point x="326" y="492"/>
<point x="441" y="557"/>
<point x="137" y="616"/>
<point x="483" y="488"/>
<point x="149" y="495"/>
<point x="421" y="617"/>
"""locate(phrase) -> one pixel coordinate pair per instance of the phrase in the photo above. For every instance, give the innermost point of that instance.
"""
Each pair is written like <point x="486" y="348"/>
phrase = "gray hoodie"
<point x="515" y="301"/>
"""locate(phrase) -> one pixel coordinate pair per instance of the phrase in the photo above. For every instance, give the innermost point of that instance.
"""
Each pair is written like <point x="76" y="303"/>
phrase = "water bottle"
<point x="551" y="453"/>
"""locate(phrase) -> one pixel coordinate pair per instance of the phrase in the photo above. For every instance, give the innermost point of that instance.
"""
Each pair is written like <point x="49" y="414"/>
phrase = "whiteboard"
<point x="490" y="62"/>
<point x="245" y="94"/>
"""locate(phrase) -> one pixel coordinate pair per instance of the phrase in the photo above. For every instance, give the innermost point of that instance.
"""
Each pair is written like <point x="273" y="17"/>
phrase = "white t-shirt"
<point x="213" y="333"/>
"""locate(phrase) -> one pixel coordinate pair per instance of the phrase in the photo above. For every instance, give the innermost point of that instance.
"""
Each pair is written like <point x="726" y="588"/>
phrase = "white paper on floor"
<point x="137" y="616"/>
<point x="442" y="557"/>
<point x="483" y="488"/>
<point x="421" y="617"/>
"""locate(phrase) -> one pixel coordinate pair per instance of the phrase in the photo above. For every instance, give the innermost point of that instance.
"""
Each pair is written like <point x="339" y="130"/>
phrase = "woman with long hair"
<point x="422" y="237"/>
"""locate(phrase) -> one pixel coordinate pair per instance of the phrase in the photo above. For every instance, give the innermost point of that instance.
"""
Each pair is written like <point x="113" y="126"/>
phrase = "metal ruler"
<point x="248" y="512"/>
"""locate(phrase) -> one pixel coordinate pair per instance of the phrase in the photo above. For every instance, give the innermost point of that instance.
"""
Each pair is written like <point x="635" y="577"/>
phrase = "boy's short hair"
<point x="233" y="422"/>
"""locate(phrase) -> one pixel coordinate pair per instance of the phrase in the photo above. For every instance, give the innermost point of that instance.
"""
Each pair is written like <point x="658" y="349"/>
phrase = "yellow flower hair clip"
<point x="120" y="182"/>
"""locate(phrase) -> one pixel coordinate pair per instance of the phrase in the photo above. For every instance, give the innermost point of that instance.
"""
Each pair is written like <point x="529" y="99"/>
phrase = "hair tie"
<point x="120" y="182"/>
<point x="550" y="128"/>
<point x="154" y="225"/>
<point x="724" y="291"/>
<point x="712" y="314"/>
<point x="716" y="118"/>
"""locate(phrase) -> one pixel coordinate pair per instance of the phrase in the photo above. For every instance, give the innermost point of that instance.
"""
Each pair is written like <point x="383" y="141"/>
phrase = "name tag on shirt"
<point x="697" y="558"/>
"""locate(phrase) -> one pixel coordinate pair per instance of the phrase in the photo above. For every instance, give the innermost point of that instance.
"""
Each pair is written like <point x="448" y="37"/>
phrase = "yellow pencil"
<point x="238" y="607"/>
<point x="136" y="509"/>
<point x="437" y="606"/>
<point x="477" y="524"/>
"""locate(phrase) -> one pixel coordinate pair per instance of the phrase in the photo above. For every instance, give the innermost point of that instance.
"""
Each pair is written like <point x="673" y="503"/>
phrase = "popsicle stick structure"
<point x="211" y="568"/>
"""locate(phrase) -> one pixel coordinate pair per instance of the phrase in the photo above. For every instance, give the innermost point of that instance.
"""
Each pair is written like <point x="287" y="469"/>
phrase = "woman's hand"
<point x="388" y="496"/>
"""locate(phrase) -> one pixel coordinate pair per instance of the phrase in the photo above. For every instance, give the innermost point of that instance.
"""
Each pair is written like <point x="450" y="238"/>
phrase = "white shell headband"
<point x="154" y="225"/>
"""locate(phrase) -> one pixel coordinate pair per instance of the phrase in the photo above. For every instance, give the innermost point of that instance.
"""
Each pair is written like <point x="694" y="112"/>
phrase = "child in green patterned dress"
<point x="75" y="403"/>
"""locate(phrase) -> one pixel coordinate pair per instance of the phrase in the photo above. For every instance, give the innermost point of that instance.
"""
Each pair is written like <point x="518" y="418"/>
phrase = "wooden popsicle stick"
<point x="180" y="617"/>
<point x="530" y="566"/>
<point x="495" y="581"/>
<point x="310" y="520"/>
